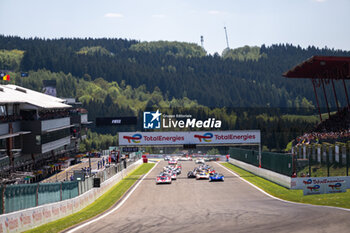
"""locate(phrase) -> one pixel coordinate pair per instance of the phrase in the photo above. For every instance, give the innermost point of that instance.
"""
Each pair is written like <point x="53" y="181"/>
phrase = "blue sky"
<point x="249" y="22"/>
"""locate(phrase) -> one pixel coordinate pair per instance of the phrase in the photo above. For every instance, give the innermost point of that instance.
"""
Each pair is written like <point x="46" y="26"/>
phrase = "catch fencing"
<point x="322" y="160"/>
<point x="277" y="162"/>
<point x="26" y="219"/>
<point x="23" y="196"/>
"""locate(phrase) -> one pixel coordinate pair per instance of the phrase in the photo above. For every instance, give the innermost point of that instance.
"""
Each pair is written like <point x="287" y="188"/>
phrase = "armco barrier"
<point x="275" y="177"/>
<point x="33" y="217"/>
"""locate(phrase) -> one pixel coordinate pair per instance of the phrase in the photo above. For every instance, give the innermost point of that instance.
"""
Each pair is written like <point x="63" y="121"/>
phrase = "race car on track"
<point x="191" y="174"/>
<point x="200" y="161"/>
<point x="211" y="171"/>
<point x="163" y="179"/>
<point x="173" y="175"/>
<point x="202" y="175"/>
<point x="172" y="162"/>
<point x="216" y="177"/>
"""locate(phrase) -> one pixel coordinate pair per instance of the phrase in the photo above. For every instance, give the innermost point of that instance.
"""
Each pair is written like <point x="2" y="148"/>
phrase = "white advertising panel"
<point x="193" y="137"/>
<point x="321" y="185"/>
<point x="310" y="187"/>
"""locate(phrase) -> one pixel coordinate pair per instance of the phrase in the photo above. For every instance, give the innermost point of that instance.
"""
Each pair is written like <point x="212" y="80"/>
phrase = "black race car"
<point x="191" y="174"/>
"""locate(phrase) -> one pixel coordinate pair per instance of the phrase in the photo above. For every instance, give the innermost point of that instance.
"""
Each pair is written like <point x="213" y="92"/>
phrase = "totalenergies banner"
<point x="321" y="185"/>
<point x="194" y="137"/>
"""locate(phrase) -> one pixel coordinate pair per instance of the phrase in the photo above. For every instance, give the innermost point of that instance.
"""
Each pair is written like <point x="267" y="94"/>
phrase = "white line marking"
<point x="276" y="198"/>
<point x="115" y="208"/>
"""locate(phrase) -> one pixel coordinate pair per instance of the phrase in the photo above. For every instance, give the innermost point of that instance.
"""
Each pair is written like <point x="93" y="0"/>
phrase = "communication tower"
<point x="226" y="38"/>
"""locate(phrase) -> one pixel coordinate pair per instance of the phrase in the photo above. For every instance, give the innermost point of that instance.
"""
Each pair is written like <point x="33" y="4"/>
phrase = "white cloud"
<point x="113" y="15"/>
<point x="158" y="16"/>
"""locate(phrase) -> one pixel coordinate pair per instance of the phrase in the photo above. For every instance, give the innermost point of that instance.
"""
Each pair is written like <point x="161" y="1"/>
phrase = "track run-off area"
<point x="190" y="205"/>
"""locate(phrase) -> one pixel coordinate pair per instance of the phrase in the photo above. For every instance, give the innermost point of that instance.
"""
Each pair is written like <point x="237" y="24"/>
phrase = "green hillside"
<point x="113" y="77"/>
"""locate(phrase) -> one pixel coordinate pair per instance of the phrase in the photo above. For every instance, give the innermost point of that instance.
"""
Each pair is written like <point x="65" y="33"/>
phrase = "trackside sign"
<point x="194" y="137"/>
<point x="321" y="185"/>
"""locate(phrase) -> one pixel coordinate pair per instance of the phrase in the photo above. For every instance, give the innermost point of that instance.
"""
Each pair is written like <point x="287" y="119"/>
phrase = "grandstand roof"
<point x="322" y="67"/>
<point x="20" y="95"/>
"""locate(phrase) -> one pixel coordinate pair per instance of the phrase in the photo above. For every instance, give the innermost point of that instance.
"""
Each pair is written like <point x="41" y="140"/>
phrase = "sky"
<point x="249" y="22"/>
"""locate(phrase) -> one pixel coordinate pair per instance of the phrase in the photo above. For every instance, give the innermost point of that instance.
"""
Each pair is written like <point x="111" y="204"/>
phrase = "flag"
<point x="6" y="77"/>
<point x="2" y="74"/>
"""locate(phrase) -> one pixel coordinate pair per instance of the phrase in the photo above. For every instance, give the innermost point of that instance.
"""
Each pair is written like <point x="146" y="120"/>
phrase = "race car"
<point x="216" y="177"/>
<point x="178" y="171"/>
<point x="183" y="159"/>
<point x="172" y="162"/>
<point x="202" y="175"/>
<point x="191" y="174"/>
<point x="173" y="175"/>
<point x="200" y="161"/>
<point x="163" y="179"/>
<point x="211" y="171"/>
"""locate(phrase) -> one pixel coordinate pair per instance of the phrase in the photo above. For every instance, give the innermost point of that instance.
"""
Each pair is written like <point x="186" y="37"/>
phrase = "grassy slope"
<point x="338" y="199"/>
<point x="100" y="205"/>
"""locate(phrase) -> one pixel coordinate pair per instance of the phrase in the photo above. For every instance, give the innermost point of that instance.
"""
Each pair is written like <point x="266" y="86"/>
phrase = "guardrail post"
<point x="3" y="198"/>
<point x="61" y="190"/>
<point x="37" y="195"/>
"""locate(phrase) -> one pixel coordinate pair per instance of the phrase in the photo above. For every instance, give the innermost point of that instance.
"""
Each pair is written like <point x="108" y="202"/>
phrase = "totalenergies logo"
<point x="314" y="188"/>
<point x="309" y="181"/>
<point x="206" y="137"/>
<point x="134" y="138"/>
<point x="336" y="186"/>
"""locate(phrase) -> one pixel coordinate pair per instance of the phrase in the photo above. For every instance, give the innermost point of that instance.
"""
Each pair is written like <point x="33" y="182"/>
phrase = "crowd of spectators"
<point x="334" y="129"/>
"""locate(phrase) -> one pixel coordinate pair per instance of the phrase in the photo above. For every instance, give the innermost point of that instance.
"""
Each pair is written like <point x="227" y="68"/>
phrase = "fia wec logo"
<point x="151" y="120"/>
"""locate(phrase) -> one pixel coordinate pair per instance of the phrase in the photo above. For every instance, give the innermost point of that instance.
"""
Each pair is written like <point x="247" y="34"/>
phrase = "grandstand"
<point x="325" y="70"/>
<point x="326" y="146"/>
<point x="36" y="130"/>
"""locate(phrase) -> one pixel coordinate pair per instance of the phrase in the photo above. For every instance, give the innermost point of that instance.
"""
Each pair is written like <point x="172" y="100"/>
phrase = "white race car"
<point x="172" y="174"/>
<point x="200" y="161"/>
<point x="202" y="175"/>
<point x="172" y="162"/>
<point x="163" y="179"/>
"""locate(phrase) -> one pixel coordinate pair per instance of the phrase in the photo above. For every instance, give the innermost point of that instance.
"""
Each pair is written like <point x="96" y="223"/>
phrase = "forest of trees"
<point x="251" y="77"/>
<point x="113" y="77"/>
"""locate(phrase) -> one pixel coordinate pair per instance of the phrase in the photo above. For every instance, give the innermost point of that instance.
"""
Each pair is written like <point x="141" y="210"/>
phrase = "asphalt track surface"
<point x="190" y="205"/>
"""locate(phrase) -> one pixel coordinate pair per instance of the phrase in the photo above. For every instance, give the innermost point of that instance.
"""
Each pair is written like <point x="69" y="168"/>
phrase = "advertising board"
<point x="191" y="137"/>
<point x="322" y="185"/>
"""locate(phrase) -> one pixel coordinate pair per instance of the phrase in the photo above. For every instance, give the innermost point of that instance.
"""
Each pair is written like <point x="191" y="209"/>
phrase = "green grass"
<point x="99" y="206"/>
<point x="338" y="199"/>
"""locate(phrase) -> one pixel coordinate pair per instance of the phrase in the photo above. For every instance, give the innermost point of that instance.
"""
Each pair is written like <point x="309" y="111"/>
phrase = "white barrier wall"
<point x="30" y="218"/>
<point x="275" y="177"/>
<point x="286" y="181"/>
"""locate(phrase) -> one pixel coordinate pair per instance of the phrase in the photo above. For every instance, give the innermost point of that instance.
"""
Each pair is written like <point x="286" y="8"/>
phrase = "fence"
<point x="23" y="196"/>
<point x="322" y="160"/>
<point x="277" y="162"/>
<point x="26" y="219"/>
